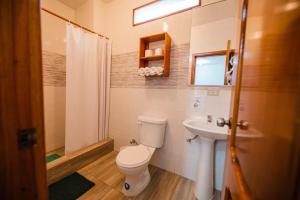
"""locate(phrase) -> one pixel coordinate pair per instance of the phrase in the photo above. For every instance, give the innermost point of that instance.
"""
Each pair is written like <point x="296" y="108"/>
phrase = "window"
<point x="161" y="8"/>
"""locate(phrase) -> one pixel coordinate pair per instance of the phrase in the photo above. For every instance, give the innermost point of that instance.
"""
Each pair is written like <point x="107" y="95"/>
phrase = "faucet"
<point x="133" y="142"/>
<point x="209" y="118"/>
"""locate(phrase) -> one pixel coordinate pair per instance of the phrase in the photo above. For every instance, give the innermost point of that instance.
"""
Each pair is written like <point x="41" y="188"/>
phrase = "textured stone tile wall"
<point x="54" y="69"/>
<point x="125" y="66"/>
<point x="124" y="70"/>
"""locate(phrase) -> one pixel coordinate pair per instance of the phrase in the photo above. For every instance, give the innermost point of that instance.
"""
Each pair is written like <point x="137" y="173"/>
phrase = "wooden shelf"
<point x="155" y="75"/>
<point x="161" y="57"/>
<point x="165" y="58"/>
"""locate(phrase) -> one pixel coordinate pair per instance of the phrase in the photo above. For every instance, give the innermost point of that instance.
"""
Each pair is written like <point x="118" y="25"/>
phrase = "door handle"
<point x="222" y="122"/>
<point x="243" y="124"/>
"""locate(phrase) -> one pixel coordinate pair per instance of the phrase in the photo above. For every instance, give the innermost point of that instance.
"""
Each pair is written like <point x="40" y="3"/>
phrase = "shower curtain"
<point x="88" y="61"/>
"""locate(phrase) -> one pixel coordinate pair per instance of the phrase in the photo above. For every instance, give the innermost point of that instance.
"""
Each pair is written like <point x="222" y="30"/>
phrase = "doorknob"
<point x="222" y="122"/>
<point x="244" y="125"/>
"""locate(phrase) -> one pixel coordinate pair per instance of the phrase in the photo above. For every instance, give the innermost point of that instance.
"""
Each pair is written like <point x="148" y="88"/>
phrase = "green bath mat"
<point x="52" y="157"/>
<point x="70" y="187"/>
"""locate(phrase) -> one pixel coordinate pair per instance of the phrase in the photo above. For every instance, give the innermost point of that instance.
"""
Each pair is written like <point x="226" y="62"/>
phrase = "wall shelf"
<point x="165" y="58"/>
<point x="149" y="58"/>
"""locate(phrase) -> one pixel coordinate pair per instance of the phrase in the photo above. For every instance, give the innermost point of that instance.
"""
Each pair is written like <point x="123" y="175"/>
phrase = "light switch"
<point x="213" y="92"/>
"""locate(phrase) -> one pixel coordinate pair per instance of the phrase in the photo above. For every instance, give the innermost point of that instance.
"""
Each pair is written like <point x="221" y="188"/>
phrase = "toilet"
<point x="133" y="161"/>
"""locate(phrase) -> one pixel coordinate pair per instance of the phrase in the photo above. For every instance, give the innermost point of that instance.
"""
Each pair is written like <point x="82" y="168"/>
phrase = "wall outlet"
<point x="213" y="92"/>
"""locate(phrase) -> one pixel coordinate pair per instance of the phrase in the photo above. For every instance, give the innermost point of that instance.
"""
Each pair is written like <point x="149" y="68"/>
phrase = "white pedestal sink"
<point x="208" y="133"/>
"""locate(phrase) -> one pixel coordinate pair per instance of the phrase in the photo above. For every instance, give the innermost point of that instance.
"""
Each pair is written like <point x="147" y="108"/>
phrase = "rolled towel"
<point x="147" y="71"/>
<point x="141" y="72"/>
<point x="160" y="69"/>
<point x="153" y="72"/>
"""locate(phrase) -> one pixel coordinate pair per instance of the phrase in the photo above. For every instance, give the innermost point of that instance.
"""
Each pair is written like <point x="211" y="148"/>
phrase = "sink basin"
<point x="203" y="128"/>
<point x="208" y="133"/>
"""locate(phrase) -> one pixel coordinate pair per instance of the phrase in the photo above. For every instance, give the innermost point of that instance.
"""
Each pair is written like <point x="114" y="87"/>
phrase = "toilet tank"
<point x="152" y="131"/>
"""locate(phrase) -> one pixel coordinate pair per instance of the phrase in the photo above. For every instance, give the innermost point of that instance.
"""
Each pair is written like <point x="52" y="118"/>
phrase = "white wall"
<point x="84" y="14"/>
<point x="92" y="14"/>
<point x="100" y="18"/>
<point x="53" y="28"/>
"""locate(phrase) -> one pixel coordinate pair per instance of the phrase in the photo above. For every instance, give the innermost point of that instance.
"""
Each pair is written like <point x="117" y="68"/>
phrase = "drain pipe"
<point x="190" y="139"/>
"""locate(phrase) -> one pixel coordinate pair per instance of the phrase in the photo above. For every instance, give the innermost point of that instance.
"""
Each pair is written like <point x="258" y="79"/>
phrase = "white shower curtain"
<point x="88" y="61"/>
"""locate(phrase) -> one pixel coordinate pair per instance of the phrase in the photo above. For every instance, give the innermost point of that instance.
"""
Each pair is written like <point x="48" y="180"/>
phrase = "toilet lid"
<point x="133" y="156"/>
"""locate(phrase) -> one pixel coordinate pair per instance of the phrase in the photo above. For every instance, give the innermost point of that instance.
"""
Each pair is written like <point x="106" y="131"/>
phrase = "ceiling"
<point x="76" y="3"/>
<point x="73" y="3"/>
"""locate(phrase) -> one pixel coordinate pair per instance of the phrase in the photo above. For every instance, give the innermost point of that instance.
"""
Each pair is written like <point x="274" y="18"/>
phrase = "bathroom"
<point x="145" y="100"/>
<point x="171" y="97"/>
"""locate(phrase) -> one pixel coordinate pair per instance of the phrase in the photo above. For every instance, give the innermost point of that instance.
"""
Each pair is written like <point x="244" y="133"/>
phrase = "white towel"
<point x="141" y="72"/>
<point x="147" y="71"/>
<point x="152" y="71"/>
<point x="160" y="69"/>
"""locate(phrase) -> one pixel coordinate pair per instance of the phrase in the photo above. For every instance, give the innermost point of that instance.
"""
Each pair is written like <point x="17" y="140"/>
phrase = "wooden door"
<point x="22" y="154"/>
<point x="263" y="160"/>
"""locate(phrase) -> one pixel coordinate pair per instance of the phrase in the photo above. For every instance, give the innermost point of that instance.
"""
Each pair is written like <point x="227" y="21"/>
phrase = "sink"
<point x="208" y="132"/>
<point x="201" y="127"/>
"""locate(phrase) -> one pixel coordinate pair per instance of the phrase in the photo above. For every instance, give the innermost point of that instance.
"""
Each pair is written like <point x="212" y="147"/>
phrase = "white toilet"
<point x="133" y="160"/>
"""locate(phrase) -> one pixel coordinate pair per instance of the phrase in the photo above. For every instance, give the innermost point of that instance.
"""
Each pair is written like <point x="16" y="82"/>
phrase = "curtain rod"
<point x="71" y="22"/>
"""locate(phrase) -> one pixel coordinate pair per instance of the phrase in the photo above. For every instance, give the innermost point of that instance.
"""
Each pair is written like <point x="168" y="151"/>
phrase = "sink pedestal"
<point x="208" y="132"/>
<point x="204" y="188"/>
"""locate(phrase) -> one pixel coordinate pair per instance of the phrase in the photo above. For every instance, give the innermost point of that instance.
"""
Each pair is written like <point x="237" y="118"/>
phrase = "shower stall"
<point x="76" y="84"/>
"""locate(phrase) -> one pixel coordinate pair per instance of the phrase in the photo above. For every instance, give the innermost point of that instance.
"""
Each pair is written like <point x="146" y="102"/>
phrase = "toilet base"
<point x="134" y="185"/>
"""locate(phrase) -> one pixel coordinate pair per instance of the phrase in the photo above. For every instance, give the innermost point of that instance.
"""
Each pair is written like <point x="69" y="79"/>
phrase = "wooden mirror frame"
<point x="227" y="53"/>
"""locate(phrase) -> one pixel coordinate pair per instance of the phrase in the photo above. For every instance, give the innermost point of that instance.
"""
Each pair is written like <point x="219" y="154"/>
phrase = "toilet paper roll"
<point x="148" y="52"/>
<point x="158" y="51"/>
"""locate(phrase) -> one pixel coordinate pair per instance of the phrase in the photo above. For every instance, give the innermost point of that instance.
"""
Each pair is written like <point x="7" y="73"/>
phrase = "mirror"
<point x="213" y="25"/>
<point x="211" y="69"/>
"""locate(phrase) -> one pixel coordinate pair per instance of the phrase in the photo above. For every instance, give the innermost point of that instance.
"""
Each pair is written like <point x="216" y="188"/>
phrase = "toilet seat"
<point x="134" y="156"/>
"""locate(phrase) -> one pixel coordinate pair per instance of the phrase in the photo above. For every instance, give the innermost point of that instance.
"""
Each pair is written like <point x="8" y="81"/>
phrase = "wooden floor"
<point x="109" y="181"/>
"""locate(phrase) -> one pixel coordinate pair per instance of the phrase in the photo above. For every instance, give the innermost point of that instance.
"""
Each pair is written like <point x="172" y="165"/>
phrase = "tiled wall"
<point x="54" y="82"/>
<point x="54" y="69"/>
<point x="125" y="66"/>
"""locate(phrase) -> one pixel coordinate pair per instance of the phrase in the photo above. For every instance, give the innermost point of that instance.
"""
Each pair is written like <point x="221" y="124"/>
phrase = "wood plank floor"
<point x="164" y="185"/>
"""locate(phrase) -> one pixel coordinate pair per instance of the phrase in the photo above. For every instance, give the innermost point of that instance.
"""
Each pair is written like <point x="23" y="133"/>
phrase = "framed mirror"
<point x="211" y="68"/>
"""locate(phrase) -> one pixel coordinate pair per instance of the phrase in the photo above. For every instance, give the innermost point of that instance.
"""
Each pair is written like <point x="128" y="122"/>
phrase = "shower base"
<point x="67" y="164"/>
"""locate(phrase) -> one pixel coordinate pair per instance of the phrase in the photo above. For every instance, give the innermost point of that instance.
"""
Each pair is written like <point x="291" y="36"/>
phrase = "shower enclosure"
<point x="76" y="82"/>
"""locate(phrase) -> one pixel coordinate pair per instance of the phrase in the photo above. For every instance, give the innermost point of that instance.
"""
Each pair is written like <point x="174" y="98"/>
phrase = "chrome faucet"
<point x="209" y="118"/>
<point x="133" y="142"/>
